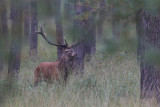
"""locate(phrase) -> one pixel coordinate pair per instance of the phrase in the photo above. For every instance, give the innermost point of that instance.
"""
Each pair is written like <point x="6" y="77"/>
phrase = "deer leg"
<point x="37" y="78"/>
<point x="36" y="82"/>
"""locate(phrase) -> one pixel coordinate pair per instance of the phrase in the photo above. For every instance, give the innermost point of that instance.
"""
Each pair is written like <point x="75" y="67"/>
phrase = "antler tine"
<point x="66" y="42"/>
<point x="74" y="44"/>
<point x="44" y="36"/>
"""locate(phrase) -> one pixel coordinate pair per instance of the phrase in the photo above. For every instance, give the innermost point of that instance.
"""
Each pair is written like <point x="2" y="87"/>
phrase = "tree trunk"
<point x="1" y="64"/>
<point x="27" y="15"/>
<point x="16" y="36"/>
<point x="90" y="37"/>
<point x="101" y="18"/>
<point x="1" y="52"/>
<point x="59" y="27"/>
<point x="86" y="30"/>
<point x="3" y="33"/>
<point x="116" y="27"/>
<point x="34" y="27"/>
<point x="115" y="23"/>
<point x="79" y="35"/>
<point x="149" y="41"/>
<point x="139" y="33"/>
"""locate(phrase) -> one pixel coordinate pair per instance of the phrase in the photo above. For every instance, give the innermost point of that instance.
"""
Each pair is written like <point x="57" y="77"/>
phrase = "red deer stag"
<point x="58" y="70"/>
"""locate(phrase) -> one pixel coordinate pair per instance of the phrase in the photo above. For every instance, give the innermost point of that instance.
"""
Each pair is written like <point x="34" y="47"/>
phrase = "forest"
<point x="79" y="53"/>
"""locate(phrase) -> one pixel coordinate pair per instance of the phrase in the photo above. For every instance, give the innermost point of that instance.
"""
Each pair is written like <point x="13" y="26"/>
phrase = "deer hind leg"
<point x="36" y="82"/>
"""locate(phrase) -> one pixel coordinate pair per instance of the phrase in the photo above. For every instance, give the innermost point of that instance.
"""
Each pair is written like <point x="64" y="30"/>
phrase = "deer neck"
<point x="62" y="65"/>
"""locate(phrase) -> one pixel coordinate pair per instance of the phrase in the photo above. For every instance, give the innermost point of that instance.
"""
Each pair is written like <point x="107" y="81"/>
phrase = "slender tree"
<point x="27" y="21"/>
<point x="101" y="18"/>
<point x="3" y="14"/>
<point x="16" y="36"/>
<point x="116" y="26"/>
<point x="3" y="32"/>
<point x="116" y="16"/>
<point x="34" y="27"/>
<point x="148" y="30"/>
<point x="1" y="55"/>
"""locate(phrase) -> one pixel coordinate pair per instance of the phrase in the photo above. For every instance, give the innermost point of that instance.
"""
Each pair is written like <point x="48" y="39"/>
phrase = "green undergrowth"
<point x="108" y="80"/>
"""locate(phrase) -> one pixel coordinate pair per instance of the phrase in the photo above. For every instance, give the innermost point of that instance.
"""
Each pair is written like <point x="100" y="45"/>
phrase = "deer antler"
<point x="44" y="36"/>
<point x="66" y="42"/>
<point x="74" y="44"/>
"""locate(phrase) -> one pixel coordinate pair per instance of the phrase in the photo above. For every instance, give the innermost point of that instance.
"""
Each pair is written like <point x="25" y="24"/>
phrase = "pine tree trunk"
<point x="1" y="64"/>
<point x="139" y="33"/>
<point x="34" y="27"/>
<point x="101" y="18"/>
<point x="116" y="28"/>
<point x="149" y="41"/>
<point x="3" y="33"/>
<point x="79" y="35"/>
<point x="59" y="27"/>
<point x="86" y="29"/>
<point x="27" y="17"/>
<point x="1" y="54"/>
<point x="16" y="36"/>
<point x="90" y="37"/>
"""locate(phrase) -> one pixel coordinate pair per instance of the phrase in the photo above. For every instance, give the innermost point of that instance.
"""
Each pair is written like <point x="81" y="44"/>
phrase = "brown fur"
<point x="47" y="71"/>
<point x="58" y="70"/>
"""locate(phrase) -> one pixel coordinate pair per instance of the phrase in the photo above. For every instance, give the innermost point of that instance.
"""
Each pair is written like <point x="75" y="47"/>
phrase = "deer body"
<point x="47" y="71"/>
<point x="55" y="71"/>
<point x="58" y="70"/>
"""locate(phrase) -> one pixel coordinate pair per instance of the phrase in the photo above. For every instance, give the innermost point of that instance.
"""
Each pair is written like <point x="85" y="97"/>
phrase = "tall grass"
<point x="108" y="81"/>
<point x="113" y="81"/>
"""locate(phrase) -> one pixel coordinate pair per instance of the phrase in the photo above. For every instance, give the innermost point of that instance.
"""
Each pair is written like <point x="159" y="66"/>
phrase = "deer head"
<point x="68" y="51"/>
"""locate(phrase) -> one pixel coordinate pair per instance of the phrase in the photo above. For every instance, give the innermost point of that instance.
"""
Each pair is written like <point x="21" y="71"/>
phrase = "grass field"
<point x="108" y="81"/>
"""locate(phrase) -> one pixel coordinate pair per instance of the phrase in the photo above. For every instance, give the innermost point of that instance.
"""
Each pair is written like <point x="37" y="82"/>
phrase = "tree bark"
<point x="149" y="39"/>
<point x="27" y="21"/>
<point x="90" y="37"/>
<point x="115" y="23"/>
<point x="2" y="48"/>
<point x="34" y="27"/>
<point x="16" y="37"/>
<point x="3" y="33"/>
<point x="59" y="27"/>
<point x="84" y="30"/>
<point x="116" y="27"/>
<point x="101" y="18"/>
